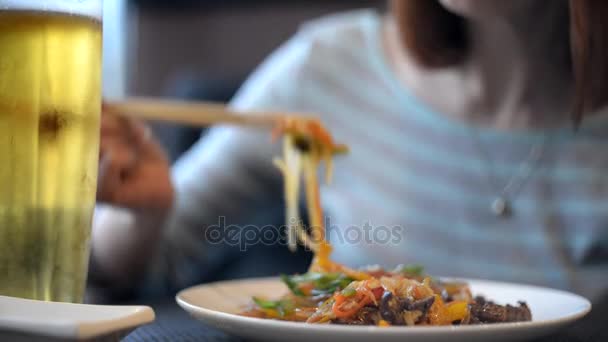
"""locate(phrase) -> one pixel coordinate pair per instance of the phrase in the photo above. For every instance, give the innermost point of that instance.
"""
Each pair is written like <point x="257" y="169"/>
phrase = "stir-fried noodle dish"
<point x="331" y="293"/>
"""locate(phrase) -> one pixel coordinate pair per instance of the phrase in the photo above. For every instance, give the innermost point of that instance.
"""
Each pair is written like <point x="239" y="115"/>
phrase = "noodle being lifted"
<point x="306" y="143"/>
<point x="333" y="293"/>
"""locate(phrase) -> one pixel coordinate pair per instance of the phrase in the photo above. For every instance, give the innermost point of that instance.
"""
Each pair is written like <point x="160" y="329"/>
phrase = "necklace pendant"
<point x="501" y="207"/>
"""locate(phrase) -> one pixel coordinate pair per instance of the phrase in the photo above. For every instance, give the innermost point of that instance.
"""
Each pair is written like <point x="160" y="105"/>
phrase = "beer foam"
<point x="86" y="8"/>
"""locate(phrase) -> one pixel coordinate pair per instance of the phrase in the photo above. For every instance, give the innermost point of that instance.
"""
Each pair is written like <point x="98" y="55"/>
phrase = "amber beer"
<point x="50" y="80"/>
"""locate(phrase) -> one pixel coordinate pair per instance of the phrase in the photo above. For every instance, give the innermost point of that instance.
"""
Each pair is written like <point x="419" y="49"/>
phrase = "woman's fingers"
<point x="126" y="138"/>
<point x="133" y="168"/>
<point x="122" y="126"/>
<point x="151" y="193"/>
<point x="117" y="161"/>
<point x="106" y="184"/>
<point x="136" y="185"/>
<point x="112" y="124"/>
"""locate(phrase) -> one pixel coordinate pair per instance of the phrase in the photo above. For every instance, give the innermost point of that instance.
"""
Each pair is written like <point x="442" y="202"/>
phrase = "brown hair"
<point x="438" y="38"/>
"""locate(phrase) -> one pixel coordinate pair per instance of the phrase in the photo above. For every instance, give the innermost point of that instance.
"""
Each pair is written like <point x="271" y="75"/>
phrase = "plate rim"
<point x="495" y="327"/>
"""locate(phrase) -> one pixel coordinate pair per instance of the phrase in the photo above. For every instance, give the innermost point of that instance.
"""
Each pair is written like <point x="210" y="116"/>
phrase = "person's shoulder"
<point x="322" y="43"/>
<point x="349" y="22"/>
<point x="350" y="29"/>
<point x="318" y="45"/>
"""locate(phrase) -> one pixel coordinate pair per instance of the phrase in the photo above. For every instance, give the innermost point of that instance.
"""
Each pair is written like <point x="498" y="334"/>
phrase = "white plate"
<point x="29" y="320"/>
<point x="217" y="304"/>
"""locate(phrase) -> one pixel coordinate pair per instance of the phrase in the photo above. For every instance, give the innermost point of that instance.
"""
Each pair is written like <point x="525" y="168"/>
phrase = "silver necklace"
<point x="501" y="204"/>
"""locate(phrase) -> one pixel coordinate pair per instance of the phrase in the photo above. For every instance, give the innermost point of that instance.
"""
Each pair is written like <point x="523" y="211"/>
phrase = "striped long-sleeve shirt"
<point x="415" y="188"/>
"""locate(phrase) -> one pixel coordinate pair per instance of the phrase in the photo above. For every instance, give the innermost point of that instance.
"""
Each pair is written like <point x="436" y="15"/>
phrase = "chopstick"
<point x="192" y="113"/>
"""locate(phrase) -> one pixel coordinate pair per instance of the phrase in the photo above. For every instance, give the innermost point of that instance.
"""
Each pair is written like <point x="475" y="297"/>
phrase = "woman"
<point x="464" y="159"/>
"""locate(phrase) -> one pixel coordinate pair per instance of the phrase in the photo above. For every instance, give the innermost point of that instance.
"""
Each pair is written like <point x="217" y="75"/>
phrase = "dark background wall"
<point x="221" y="40"/>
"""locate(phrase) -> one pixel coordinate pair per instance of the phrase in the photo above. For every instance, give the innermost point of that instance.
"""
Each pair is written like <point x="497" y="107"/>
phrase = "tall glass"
<point x="50" y="102"/>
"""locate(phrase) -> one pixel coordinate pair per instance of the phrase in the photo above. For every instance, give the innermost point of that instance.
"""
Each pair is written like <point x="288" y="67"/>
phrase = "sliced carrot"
<point x="456" y="311"/>
<point x="345" y="307"/>
<point x="383" y="323"/>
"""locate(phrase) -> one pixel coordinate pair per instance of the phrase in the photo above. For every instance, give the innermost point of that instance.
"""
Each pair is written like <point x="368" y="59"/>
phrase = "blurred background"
<point x="199" y="49"/>
<point x="204" y="50"/>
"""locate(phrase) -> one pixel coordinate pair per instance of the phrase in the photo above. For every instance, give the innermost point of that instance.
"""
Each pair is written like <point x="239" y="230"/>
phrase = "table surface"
<point x="175" y="325"/>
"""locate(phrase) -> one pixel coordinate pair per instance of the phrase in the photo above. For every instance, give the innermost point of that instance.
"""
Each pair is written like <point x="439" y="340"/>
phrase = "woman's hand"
<point x="133" y="168"/>
<point x="134" y="180"/>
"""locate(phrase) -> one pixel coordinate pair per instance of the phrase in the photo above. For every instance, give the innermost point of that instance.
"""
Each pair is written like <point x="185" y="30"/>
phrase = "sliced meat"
<point x="519" y="313"/>
<point x="489" y="312"/>
<point x="480" y="300"/>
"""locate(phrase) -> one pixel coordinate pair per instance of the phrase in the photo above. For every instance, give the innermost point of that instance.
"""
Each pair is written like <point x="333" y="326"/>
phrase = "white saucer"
<point x="29" y="320"/>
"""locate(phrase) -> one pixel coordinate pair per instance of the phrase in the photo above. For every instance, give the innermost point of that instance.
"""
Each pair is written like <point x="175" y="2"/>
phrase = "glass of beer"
<point x="50" y="103"/>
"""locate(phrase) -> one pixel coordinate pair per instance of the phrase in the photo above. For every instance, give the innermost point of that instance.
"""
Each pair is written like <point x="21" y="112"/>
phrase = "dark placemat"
<point x="175" y="325"/>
